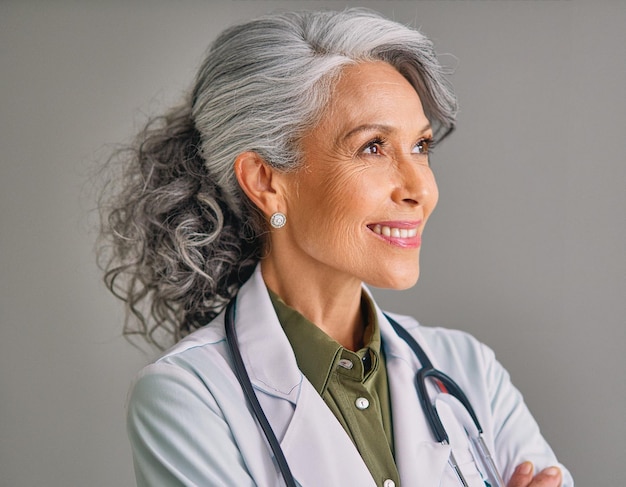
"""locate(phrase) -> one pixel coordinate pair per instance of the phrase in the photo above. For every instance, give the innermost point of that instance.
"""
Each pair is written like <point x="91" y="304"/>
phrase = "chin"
<point x="404" y="284"/>
<point x="397" y="281"/>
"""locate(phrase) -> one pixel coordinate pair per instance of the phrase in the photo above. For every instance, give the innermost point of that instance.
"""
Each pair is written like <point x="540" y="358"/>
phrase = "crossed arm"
<point x="523" y="477"/>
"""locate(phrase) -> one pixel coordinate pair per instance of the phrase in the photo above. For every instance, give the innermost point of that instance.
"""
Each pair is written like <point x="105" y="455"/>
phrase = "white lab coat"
<point x="189" y="423"/>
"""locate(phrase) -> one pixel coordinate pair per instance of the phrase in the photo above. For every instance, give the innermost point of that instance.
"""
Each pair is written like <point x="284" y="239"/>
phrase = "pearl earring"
<point x="278" y="220"/>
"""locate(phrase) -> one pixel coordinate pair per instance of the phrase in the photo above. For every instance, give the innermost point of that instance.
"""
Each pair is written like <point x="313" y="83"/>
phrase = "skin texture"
<point x="366" y="163"/>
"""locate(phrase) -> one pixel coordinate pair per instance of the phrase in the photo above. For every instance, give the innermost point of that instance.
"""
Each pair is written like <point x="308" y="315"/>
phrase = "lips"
<point x="402" y="234"/>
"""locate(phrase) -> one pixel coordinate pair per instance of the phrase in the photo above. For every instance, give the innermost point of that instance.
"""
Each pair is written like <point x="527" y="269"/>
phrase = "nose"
<point x="414" y="184"/>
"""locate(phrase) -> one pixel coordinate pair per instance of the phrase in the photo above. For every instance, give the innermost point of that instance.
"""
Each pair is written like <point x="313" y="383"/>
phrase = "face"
<point x="358" y="205"/>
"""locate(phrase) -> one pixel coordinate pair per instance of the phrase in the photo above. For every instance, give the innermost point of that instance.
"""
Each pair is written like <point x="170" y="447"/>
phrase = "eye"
<point x="374" y="147"/>
<point x="423" y="146"/>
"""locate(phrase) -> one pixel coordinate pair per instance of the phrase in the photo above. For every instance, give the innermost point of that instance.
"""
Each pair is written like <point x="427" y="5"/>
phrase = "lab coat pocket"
<point x="467" y="466"/>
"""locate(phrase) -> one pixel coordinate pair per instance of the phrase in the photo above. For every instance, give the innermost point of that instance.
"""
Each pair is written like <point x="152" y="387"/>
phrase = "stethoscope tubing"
<point x="244" y="380"/>
<point x="427" y="371"/>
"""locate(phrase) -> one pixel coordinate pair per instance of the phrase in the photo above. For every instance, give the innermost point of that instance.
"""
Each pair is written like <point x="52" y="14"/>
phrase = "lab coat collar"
<point x="264" y="346"/>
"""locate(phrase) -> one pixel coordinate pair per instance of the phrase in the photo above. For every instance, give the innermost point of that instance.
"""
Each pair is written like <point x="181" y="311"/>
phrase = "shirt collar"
<point x="317" y="354"/>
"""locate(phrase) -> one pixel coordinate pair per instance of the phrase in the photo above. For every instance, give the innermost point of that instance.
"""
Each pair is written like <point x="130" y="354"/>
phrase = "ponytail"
<point x="177" y="252"/>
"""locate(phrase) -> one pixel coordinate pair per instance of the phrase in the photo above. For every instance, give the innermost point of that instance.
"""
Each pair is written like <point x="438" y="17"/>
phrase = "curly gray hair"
<point x="183" y="236"/>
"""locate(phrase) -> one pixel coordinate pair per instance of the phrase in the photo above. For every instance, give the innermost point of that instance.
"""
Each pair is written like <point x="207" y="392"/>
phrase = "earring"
<point x="278" y="220"/>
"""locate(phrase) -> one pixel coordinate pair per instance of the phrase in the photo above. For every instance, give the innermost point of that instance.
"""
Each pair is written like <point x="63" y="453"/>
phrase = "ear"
<point x="259" y="181"/>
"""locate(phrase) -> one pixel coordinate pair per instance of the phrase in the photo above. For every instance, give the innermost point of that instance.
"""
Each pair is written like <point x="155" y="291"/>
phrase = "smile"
<point x="400" y="234"/>
<point x="395" y="232"/>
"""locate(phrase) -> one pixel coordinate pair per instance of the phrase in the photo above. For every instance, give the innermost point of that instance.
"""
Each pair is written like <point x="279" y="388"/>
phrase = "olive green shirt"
<point x="353" y="384"/>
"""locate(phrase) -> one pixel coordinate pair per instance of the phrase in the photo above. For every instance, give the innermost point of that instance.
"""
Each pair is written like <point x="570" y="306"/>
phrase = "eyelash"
<point x="428" y="142"/>
<point x="378" y="141"/>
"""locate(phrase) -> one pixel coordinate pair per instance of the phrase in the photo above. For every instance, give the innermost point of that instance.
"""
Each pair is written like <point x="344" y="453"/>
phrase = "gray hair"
<point x="184" y="236"/>
<point x="265" y="83"/>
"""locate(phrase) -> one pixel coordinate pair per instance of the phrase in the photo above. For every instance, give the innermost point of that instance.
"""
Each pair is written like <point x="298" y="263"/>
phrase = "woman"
<point x="296" y="172"/>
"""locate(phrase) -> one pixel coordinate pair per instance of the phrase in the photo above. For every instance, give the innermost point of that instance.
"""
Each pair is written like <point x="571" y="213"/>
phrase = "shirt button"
<point x="362" y="403"/>
<point x="346" y="364"/>
<point x="389" y="483"/>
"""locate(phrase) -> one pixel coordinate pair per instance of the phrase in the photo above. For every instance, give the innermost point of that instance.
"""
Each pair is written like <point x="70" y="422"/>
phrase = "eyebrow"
<point x="371" y="127"/>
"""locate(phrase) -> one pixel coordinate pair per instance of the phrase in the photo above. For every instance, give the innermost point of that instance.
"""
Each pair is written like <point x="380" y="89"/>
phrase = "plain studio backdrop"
<point x="525" y="251"/>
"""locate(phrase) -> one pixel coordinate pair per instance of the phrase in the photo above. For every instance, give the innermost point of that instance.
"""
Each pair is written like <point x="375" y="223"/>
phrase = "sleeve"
<point x="516" y="434"/>
<point x="178" y="434"/>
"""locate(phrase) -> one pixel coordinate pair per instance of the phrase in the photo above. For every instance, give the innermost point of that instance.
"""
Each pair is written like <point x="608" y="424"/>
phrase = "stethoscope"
<point x="444" y="383"/>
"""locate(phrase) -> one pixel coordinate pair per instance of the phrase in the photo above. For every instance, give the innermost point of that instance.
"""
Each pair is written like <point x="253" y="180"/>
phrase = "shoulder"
<point x="190" y="366"/>
<point x="460" y="355"/>
<point x="186" y="416"/>
<point x="206" y="347"/>
<point x="446" y="344"/>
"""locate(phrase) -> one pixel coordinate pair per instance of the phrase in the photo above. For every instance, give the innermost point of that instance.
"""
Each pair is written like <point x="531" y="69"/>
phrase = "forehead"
<point x="363" y="77"/>
<point x="373" y="92"/>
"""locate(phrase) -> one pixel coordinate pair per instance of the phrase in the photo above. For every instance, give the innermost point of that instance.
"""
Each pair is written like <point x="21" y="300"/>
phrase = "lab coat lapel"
<point x="317" y="448"/>
<point x="309" y="434"/>
<point x="421" y="460"/>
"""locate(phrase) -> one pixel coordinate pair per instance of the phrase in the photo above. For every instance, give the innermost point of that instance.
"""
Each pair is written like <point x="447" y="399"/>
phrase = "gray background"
<point x="526" y="248"/>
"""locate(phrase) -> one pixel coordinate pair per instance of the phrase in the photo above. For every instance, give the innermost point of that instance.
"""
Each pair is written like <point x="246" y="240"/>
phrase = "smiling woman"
<point x="295" y="174"/>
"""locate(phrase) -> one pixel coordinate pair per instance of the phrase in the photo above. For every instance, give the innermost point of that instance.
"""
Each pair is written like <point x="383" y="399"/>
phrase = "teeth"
<point x="394" y="232"/>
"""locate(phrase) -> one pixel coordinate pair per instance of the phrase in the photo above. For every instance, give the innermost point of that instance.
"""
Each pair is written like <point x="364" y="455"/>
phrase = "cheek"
<point x="335" y="207"/>
<point x="344" y="192"/>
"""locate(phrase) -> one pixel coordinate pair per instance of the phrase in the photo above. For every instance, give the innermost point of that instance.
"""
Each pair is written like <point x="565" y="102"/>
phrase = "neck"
<point x="333" y="303"/>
